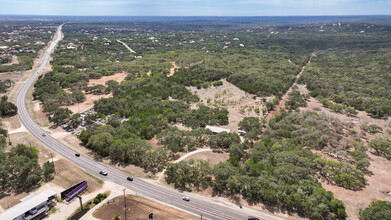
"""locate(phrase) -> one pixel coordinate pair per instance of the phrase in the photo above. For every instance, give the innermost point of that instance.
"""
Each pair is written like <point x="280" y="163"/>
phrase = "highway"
<point x="199" y="206"/>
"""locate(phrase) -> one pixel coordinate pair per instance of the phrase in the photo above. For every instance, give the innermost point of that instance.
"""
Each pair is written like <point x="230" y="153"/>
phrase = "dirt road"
<point x="127" y="47"/>
<point x="281" y="104"/>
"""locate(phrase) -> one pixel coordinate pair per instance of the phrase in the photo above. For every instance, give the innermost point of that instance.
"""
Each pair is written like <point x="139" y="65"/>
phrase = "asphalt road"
<point x="199" y="206"/>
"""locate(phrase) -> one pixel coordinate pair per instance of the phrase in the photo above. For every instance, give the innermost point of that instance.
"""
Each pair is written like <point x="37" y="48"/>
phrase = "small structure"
<point x="217" y="130"/>
<point x="72" y="192"/>
<point x="241" y="132"/>
<point x="31" y="207"/>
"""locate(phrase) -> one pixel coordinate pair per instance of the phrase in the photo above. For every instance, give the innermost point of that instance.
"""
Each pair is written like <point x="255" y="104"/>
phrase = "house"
<point x="33" y="206"/>
<point x="217" y="130"/>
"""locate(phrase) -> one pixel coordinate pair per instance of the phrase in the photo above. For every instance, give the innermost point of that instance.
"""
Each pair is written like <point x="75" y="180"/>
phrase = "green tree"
<point x="252" y="126"/>
<point x="7" y="108"/>
<point x="223" y="140"/>
<point x="60" y="115"/>
<point x="377" y="210"/>
<point x="78" y="96"/>
<point x="48" y="171"/>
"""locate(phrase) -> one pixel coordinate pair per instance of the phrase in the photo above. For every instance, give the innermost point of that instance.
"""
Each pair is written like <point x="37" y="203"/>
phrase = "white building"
<point x="217" y="129"/>
<point x="33" y="206"/>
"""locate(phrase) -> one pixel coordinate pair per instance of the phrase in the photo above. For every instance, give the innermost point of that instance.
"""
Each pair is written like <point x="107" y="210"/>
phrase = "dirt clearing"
<point x="119" y="77"/>
<point x="138" y="208"/>
<point x="378" y="181"/>
<point x="90" y="98"/>
<point x="239" y="103"/>
<point x="14" y="60"/>
<point x="173" y="69"/>
<point x="212" y="157"/>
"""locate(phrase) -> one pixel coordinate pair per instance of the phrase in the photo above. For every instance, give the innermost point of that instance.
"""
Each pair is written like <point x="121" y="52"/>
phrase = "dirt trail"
<point x="127" y="47"/>
<point x="182" y="158"/>
<point x="281" y="104"/>
<point x="172" y="70"/>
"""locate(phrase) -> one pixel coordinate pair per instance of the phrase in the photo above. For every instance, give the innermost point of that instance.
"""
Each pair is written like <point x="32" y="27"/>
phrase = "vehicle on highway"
<point x="186" y="198"/>
<point x="252" y="218"/>
<point x="104" y="173"/>
<point x="44" y="134"/>
<point x="129" y="178"/>
<point x="77" y="154"/>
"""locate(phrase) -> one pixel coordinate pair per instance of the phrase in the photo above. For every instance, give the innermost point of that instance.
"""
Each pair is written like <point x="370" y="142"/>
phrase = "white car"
<point x="186" y="198"/>
<point x="104" y="173"/>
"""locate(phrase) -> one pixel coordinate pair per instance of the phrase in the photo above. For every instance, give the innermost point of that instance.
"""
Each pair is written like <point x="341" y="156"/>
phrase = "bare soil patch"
<point x="212" y="157"/>
<point x="378" y="181"/>
<point x="90" y="98"/>
<point x="87" y="104"/>
<point x="119" y="77"/>
<point x="15" y="76"/>
<point x="378" y="185"/>
<point x="138" y="208"/>
<point x="14" y="60"/>
<point x="239" y="103"/>
<point x="154" y="143"/>
<point x="68" y="174"/>
<point x="173" y="68"/>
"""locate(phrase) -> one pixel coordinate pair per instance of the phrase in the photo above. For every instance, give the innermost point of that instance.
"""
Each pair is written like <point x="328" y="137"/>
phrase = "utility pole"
<point x="201" y="216"/>
<point x="81" y="203"/>
<point x="54" y="168"/>
<point x="30" y="145"/>
<point x="125" y="202"/>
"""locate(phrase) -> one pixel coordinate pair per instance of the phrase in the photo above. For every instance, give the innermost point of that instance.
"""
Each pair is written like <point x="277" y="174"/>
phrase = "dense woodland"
<point x="354" y="78"/>
<point x="275" y="164"/>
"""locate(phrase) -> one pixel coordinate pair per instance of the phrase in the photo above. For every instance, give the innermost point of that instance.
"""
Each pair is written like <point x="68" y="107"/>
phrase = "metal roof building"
<point x="30" y="207"/>
<point x="217" y="129"/>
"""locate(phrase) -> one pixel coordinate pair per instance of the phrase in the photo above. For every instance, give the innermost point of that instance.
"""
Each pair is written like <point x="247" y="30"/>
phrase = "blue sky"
<point x="196" y="7"/>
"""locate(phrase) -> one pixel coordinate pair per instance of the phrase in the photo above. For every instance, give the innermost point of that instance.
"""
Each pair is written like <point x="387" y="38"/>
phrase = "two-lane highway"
<point x="197" y="205"/>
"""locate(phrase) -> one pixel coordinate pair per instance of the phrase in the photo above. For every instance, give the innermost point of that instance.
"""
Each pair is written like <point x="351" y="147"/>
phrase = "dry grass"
<point x="138" y="208"/>
<point x="90" y="98"/>
<point x="239" y="104"/>
<point x="210" y="156"/>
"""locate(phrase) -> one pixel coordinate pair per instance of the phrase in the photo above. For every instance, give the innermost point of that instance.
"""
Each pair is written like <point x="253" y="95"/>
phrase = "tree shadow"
<point x="273" y="208"/>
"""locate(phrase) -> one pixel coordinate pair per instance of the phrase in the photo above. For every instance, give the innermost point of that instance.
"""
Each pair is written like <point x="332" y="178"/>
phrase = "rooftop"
<point x="217" y="129"/>
<point x="28" y="203"/>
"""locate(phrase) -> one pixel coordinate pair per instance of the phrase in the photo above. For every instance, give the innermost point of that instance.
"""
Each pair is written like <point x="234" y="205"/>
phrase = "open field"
<point x="239" y="103"/>
<point x="138" y="208"/>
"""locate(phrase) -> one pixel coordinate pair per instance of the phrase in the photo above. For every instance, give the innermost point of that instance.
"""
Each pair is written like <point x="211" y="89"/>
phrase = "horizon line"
<point x="248" y="16"/>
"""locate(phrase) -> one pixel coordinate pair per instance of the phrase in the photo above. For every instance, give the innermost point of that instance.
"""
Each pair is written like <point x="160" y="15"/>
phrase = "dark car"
<point x="252" y="218"/>
<point x="129" y="178"/>
<point x="44" y="134"/>
<point x="77" y="154"/>
<point x="104" y="173"/>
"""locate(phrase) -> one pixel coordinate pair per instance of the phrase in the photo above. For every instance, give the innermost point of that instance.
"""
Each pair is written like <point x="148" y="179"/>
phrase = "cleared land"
<point x="239" y="103"/>
<point x="90" y="98"/>
<point x="378" y="181"/>
<point x="138" y="208"/>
